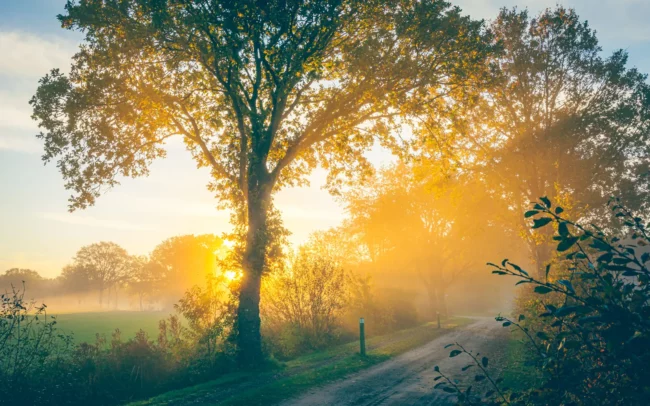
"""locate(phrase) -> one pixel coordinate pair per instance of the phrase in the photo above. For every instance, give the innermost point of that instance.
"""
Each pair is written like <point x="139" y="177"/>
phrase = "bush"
<point x="30" y="347"/>
<point x="303" y="303"/>
<point x="40" y="366"/>
<point x="592" y="337"/>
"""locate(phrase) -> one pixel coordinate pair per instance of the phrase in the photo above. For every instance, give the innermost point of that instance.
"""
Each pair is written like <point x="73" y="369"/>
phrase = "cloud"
<point x="90" y="221"/>
<point x="27" y="55"/>
<point x="24" y="59"/>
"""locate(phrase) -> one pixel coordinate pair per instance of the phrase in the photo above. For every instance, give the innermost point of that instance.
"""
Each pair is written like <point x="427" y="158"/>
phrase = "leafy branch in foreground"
<point x="592" y="330"/>
<point x="467" y="397"/>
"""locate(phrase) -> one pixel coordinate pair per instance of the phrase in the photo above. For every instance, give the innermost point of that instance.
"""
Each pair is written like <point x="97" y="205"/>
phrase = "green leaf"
<point x="519" y="269"/>
<point x="607" y="257"/>
<point x="479" y="378"/>
<point x="600" y="245"/>
<point x="541" y="222"/>
<point x="530" y="213"/>
<point x="542" y="290"/>
<point x="466" y="367"/>
<point x="546" y="201"/>
<point x="645" y="257"/>
<point x="563" y="229"/>
<point x="567" y="284"/>
<point x="522" y="317"/>
<point x="507" y="323"/>
<point x="566" y="244"/>
<point x="484" y="361"/>
<point x="436" y="368"/>
<point x="558" y="210"/>
<point x="542" y="335"/>
<point x="565" y="310"/>
<point x="454" y="353"/>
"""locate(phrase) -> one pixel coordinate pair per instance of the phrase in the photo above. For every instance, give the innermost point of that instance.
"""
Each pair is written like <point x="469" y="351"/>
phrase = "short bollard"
<point x="438" y="314"/>
<point x="362" y="337"/>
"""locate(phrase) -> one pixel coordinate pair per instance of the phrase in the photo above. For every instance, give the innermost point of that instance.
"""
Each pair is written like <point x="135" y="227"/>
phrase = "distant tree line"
<point x="108" y="272"/>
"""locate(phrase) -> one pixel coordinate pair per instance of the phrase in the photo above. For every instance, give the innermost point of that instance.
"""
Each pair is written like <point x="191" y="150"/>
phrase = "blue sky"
<point x="36" y="231"/>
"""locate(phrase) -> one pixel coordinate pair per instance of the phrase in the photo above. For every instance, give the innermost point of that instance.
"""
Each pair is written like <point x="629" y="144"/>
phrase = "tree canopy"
<point x="557" y="120"/>
<point x="260" y="91"/>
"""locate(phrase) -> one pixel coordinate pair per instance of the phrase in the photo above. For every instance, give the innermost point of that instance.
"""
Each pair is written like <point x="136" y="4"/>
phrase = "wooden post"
<point x="438" y="314"/>
<point x="362" y="337"/>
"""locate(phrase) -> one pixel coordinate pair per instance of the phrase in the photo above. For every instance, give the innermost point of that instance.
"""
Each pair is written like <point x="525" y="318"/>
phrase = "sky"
<point x="37" y="231"/>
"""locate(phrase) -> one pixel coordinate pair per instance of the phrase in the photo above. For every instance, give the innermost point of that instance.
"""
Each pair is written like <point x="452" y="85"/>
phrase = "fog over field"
<point x="324" y="202"/>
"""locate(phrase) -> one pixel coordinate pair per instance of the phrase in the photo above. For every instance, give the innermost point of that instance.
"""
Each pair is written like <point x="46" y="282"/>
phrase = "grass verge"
<point x="300" y="374"/>
<point x="516" y="374"/>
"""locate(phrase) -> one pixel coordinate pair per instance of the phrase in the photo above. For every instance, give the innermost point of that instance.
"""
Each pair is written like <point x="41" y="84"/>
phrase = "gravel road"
<point x="408" y="378"/>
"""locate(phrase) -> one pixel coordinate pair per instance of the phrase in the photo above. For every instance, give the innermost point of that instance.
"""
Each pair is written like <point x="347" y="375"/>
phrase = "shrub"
<point x="210" y="314"/>
<point x="302" y="304"/>
<point x="40" y="366"/>
<point x="29" y="347"/>
<point x="364" y="301"/>
<point x="592" y="337"/>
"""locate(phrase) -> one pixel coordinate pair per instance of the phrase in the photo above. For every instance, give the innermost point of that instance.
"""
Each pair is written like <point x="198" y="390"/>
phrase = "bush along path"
<point x="298" y="376"/>
<point x="587" y="324"/>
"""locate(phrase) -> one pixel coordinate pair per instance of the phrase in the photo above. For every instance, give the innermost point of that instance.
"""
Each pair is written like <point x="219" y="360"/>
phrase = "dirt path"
<point x="408" y="378"/>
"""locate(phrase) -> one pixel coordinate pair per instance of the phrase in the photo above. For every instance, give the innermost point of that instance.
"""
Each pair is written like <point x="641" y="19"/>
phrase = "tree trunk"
<point x="442" y="301"/>
<point x="249" y="340"/>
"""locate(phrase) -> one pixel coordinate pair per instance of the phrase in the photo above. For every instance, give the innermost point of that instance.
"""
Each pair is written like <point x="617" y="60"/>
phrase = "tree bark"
<point x="249" y="339"/>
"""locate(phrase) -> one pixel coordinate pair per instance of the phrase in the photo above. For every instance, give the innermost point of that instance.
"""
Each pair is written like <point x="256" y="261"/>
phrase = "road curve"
<point x="408" y="378"/>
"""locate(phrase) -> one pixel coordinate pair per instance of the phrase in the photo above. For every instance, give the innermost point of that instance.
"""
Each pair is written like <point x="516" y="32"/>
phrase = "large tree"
<point x="433" y="233"/>
<point x="144" y="279"/>
<point x="105" y="264"/>
<point x="260" y="91"/>
<point x="558" y="120"/>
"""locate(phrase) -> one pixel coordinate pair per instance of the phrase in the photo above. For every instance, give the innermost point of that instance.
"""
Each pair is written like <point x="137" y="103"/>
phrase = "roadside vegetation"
<point x="292" y="377"/>
<point x="482" y="119"/>
<point x="584" y="323"/>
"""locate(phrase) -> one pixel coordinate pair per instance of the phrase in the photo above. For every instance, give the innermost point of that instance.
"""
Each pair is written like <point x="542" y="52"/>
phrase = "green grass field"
<point x="84" y="326"/>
